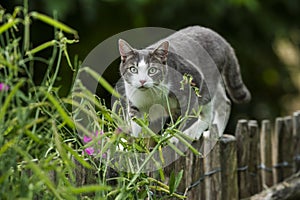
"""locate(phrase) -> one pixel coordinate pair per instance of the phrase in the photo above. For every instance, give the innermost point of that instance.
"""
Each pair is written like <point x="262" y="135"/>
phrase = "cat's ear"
<point x="162" y="51"/>
<point x="125" y="49"/>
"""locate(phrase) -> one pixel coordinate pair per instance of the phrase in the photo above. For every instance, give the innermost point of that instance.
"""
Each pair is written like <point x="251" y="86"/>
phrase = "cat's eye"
<point x="152" y="70"/>
<point x="133" y="70"/>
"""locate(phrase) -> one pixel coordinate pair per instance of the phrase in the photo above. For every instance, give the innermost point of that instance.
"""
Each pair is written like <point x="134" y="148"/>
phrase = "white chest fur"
<point x="143" y="99"/>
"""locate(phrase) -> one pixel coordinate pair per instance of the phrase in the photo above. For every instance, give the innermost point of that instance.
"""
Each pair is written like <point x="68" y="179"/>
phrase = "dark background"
<point x="265" y="35"/>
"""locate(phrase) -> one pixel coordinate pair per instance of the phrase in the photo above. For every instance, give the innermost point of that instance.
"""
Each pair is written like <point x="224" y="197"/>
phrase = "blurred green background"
<point x="265" y="35"/>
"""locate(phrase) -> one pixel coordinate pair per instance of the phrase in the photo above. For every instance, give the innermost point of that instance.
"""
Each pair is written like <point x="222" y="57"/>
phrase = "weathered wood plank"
<point x="242" y="138"/>
<point x="83" y="175"/>
<point x="276" y="158"/>
<point x="287" y="147"/>
<point x="228" y="160"/>
<point x="286" y="190"/>
<point x="296" y="136"/>
<point x="254" y="158"/>
<point x="282" y="149"/>
<point x="196" y="186"/>
<point x="266" y="154"/>
<point x="212" y="166"/>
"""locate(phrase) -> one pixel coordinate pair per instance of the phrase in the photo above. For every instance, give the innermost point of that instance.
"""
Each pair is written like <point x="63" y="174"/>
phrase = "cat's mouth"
<point x="143" y="88"/>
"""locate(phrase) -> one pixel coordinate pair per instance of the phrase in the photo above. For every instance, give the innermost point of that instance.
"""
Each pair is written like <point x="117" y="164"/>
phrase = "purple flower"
<point x="90" y="151"/>
<point x="87" y="139"/>
<point x="97" y="132"/>
<point x="4" y="87"/>
<point x="118" y="130"/>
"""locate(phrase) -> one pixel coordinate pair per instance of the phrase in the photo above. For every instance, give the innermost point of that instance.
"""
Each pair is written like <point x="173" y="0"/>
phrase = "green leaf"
<point x="172" y="183"/>
<point x="41" y="47"/>
<point x="88" y="189"/>
<point x="175" y="181"/>
<point x="8" y="25"/>
<point x="178" y="179"/>
<point x="7" y="145"/>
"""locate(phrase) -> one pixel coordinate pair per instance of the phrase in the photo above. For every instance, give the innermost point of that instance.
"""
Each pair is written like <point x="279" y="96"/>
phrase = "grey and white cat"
<point x="153" y="80"/>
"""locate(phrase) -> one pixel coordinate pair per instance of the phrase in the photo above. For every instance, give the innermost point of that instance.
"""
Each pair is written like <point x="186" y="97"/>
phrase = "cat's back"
<point x="197" y="35"/>
<point x="199" y="44"/>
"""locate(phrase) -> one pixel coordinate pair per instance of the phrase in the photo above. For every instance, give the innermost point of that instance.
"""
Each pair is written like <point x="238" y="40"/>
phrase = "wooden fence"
<point x="252" y="164"/>
<point x="243" y="165"/>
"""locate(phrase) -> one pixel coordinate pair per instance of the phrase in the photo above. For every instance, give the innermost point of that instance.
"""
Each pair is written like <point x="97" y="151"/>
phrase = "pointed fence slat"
<point x="266" y="154"/>
<point x="282" y="149"/>
<point x="276" y="157"/>
<point x="196" y="186"/>
<point x="296" y="136"/>
<point x="212" y="166"/>
<point x="254" y="158"/>
<point x="228" y="159"/>
<point x="242" y="137"/>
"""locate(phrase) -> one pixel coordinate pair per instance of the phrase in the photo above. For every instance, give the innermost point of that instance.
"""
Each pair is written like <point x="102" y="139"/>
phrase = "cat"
<point x="179" y="75"/>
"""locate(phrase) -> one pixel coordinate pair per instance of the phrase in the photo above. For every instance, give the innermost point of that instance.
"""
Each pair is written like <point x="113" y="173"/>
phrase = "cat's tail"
<point x="233" y="79"/>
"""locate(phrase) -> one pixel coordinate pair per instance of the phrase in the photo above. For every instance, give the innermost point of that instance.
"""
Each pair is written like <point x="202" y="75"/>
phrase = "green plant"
<point x="39" y="140"/>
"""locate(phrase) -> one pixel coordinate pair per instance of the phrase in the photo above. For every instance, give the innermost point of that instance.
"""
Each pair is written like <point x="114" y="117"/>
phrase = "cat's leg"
<point x="157" y="118"/>
<point x="221" y="107"/>
<point x="135" y="128"/>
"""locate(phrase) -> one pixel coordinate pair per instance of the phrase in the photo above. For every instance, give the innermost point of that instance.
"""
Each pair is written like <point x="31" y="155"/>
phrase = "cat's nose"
<point x="142" y="82"/>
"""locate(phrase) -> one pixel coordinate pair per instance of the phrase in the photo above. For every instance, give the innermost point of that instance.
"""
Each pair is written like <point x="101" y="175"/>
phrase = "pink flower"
<point x="4" y="87"/>
<point x="89" y="150"/>
<point x="104" y="155"/>
<point x="87" y="139"/>
<point x="118" y="130"/>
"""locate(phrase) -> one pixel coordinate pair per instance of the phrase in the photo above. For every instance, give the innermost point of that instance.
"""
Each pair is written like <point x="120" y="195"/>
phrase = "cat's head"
<point x="144" y="68"/>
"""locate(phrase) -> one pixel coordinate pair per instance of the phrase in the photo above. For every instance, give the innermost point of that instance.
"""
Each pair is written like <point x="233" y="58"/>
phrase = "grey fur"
<point x="203" y="46"/>
<point x="196" y="51"/>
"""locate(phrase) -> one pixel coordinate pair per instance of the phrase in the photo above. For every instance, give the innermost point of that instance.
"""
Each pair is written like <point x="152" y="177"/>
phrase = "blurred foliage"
<point x="46" y="151"/>
<point x="255" y="29"/>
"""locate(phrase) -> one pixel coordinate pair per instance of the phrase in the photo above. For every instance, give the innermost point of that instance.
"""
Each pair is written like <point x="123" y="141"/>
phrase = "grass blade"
<point x="48" y="20"/>
<point x="39" y="172"/>
<point x="77" y="157"/>
<point x="88" y="189"/>
<point x="41" y="47"/>
<point x="60" y="110"/>
<point x="8" y="25"/>
<point x="102" y="81"/>
<point x="9" y="98"/>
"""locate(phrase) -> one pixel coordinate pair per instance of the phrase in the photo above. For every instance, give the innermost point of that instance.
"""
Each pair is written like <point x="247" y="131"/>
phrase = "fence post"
<point x="212" y="166"/>
<point x="277" y="172"/>
<point x="254" y="158"/>
<point x="282" y="149"/>
<point x="242" y="138"/>
<point x="196" y="186"/>
<point x="287" y="147"/>
<point x="266" y="154"/>
<point x="228" y="160"/>
<point x="296" y="135"/>
<point x="83" y="175"/>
